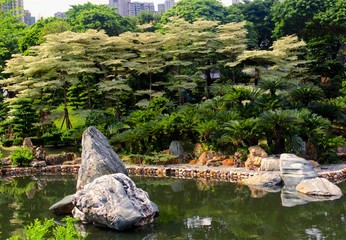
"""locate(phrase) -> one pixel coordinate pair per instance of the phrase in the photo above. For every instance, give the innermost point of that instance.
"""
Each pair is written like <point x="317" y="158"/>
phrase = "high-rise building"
<point x="28" y="19"/>
<point x="137" y="7"/>
<point x="161" y="8"/>
<point x="169" y="4"/>
<point x="122" y="6"/>
<point x="15" y="6"/>
<point x="60" y="15"/>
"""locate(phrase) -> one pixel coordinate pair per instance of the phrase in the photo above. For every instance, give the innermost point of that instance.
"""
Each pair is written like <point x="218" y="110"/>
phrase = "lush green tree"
<point x="191" y="10"/>
<point x="34" y="35"/>
<point x="98" y="17"/>
<point x="11" y="30"/>
<point x="23" y="118"/>
<point x="297" y="16"/>
<point x="148" y="17"/>
<point x="258" y="13"/>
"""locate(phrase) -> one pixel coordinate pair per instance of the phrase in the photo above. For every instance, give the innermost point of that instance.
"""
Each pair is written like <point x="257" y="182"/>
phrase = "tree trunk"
<point x="66" y="115"/>
<point x="208" y="82"/>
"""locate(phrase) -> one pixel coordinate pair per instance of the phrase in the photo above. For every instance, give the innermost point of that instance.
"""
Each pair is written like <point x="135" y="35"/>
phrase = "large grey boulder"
<point x="98" y="158"/>
<point x="176" y="148"/>
<point x="114" y="201"/>
<point x="294" y="169"/>
<point x="271" y="163"/>
<point x="318" y="187"/>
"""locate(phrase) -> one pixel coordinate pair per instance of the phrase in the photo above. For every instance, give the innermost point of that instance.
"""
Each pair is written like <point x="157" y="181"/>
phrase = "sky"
<point x="47" y="8"/>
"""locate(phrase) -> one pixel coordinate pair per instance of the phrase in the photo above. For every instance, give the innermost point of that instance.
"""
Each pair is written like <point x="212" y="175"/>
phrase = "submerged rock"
<point x="114" y="201"/>
<point x="63" y="207"/>
<point x="98" y="158"/>
<point x="318" y="187"/>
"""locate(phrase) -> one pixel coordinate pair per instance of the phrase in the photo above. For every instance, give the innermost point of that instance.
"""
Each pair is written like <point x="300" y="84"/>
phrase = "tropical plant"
<point x="47" y="229"/>
<point x="21" y="156"/>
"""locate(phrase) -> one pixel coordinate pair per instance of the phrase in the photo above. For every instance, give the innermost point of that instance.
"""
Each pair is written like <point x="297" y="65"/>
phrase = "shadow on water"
<point x="189" y="209"/>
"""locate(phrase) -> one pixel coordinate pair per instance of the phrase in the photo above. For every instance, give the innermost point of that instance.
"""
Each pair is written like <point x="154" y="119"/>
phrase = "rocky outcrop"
<point x="318" y="187"/>
<point x="176" y="148"/>
<point x="98" y="158"/>
<point x="295" y="169"/>
<point x="205" y="156"/>
<point x="114" y="201"/>
<point x="256" y="154"/>
<point x="27" y="143"/>
<point x="270" y="164"/>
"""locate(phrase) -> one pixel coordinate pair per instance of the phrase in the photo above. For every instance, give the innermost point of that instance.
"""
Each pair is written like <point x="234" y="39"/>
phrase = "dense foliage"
<point x="204" y="75"/>
<point x="48" y="229"/>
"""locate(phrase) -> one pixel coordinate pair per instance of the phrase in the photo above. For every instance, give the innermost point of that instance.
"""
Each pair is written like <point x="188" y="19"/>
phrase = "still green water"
<point x="188" y="210"/>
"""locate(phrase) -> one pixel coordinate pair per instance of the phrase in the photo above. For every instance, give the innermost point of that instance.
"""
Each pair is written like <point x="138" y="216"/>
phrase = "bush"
<point x="7" y="142"/>
<point x="47" y="229"/>
<point x="21" y="156"/>
<point x="18" y="141"/>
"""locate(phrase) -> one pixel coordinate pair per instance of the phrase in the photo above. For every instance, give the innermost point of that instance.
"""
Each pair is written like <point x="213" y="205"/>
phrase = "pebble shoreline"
<point x="183" y="172"/>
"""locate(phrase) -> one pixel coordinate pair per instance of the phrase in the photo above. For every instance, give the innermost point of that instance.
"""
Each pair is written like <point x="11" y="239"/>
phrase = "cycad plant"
<point x="305" y="94"/>
<point x="279" y="126"/>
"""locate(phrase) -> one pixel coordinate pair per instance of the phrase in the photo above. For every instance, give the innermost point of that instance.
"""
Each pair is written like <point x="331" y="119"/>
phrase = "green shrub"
<point x="47" y="229"/>
<point x="7" y="142"/>
<point x="21" y="156"/>
<point x="18" y="141"/>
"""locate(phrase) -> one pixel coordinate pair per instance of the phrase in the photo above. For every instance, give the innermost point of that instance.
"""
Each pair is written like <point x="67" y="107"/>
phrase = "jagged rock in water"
<point x="98" y="158"/>
<point x="318" y="187"/>
<point x="295" y="169"/>
<point x="114" y="201"/>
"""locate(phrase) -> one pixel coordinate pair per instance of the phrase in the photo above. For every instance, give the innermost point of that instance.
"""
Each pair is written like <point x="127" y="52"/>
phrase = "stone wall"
<point x="226" y="175"/>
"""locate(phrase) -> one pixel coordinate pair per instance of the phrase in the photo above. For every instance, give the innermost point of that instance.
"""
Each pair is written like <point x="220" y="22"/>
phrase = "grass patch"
<point x="77" y="117"/>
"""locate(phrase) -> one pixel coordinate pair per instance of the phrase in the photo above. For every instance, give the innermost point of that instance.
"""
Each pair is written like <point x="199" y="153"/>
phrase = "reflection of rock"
<point x="197" y="222"/>
<point x="295" y="169"/>
<point x="270" y="164"/>
<point x="290" y="198"/>
<point x="318" y="187"/>
<point x="264" y="180"/>
<point x="260" y="185"/>
<point x="178" y="186"/>
<point x="114" y="201"/>
<point x="63" y="207"/>
<point x="98" y="158"/>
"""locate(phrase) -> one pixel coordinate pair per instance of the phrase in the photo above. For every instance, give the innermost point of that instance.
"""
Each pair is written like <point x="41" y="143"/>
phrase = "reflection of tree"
<point x="21" y="200"/>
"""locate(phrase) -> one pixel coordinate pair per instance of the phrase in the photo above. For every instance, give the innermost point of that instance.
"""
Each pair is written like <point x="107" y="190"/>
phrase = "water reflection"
<point x="188" y="210"/>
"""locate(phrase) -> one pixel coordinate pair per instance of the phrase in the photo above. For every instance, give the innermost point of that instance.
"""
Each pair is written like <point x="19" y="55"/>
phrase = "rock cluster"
<point x="113" y="201"/>
<point x="254" y="160"/>
<point x="105" y="195"/>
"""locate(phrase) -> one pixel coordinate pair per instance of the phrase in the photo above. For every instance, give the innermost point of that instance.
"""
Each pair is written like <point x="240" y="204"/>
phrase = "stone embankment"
<point x="226" y="174"/>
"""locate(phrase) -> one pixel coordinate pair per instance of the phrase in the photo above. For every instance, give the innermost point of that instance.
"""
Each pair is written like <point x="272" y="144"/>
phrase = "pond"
<point x="189" y="209"/>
